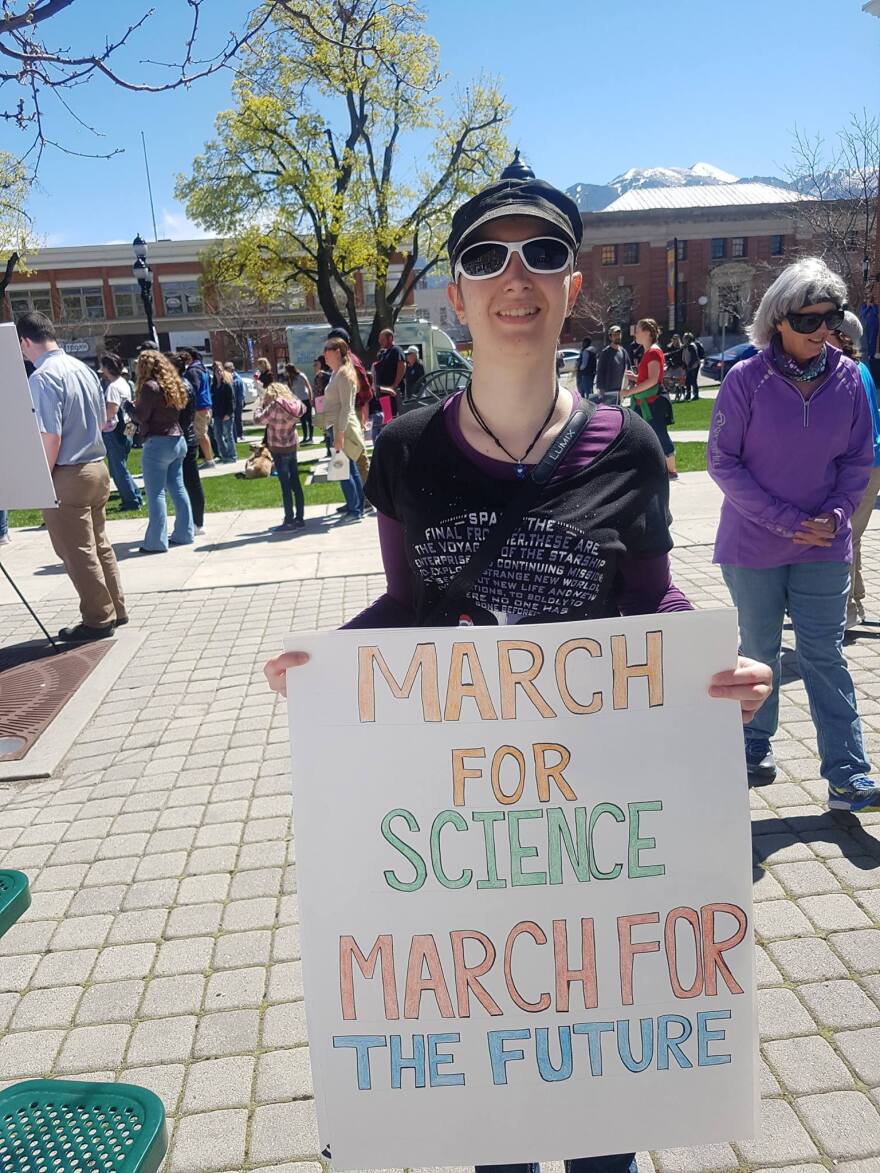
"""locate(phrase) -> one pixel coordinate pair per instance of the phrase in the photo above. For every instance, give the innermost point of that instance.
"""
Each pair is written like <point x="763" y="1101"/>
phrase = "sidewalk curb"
<point x="52" y="745"/>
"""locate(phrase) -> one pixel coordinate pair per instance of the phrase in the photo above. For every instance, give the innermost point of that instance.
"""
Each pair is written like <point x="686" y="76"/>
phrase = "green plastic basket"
<point x="15" y="898"/>
<point x="66" y="1126"/>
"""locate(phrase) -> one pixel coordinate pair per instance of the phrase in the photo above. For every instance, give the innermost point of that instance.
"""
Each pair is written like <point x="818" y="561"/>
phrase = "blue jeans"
<point x="225" y="435"/>
<point x="117" y="448"/>
<point x="163" y="469"/>
<point x="377" y="423"/>
<point x="584" y="384"/>
<point x="4" y="523"/>
<point x="288" y="478"/>
<point x="815" y="594"/>
<point x="619" y="1163"/>
<point x="353" y="490"/>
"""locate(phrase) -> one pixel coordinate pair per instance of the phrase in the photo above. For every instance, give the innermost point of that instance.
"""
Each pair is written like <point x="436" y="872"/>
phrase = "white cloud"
<point x="176" y="225"/>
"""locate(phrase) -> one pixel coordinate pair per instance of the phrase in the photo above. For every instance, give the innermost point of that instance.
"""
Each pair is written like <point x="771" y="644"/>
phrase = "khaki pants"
<point x="77" y="529"/>
<point x="859" y="523"/>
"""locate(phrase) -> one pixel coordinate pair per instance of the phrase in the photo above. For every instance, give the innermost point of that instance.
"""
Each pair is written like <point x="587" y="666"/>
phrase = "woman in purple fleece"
<point x="791" y="448"/>
<point x="597" y="543"/>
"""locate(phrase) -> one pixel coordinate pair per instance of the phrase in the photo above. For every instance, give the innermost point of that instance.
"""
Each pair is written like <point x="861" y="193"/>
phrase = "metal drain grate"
<point x="35" y="685"/>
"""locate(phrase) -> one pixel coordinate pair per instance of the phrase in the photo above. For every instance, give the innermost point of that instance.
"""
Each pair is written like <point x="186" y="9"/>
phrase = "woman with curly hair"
<point x="160" y="398"/>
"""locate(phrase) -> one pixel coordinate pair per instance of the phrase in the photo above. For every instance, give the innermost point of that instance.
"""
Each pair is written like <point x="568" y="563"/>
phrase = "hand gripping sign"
<point x="524" y="864"/>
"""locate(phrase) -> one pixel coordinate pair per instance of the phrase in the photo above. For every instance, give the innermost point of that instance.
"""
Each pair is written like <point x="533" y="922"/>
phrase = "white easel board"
<point x="25" y="481"/>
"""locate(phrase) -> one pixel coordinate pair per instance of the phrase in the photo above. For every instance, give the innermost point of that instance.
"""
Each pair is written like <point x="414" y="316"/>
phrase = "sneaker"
<point x="5" y="539"/>
<point x="299" y="523"/>
<point x="857" y="795"/>
<point x="760" y="766"/>
<point x="206" y="464"/>
<point x="285" y="528"/>
<point x="199" y="531"/>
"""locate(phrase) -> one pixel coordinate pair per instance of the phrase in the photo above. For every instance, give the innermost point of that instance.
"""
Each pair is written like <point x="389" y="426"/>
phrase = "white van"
<point x="436" y="349"/>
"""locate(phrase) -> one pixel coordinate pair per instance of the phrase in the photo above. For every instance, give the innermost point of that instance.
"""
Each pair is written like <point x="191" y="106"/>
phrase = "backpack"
<point x="364" y="392"/>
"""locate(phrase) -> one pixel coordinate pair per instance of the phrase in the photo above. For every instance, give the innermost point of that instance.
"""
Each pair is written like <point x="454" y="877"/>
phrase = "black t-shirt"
<point x="561" y="562"/>
<point x="386" y="365"/>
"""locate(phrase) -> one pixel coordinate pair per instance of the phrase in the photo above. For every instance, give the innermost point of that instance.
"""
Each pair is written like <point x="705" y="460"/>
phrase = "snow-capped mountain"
<point x="670" y="177"/>
<point x="593" y="197"/>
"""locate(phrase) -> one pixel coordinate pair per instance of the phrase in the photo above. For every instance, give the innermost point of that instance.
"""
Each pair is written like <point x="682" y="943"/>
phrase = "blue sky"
<point x="597" y="86"/>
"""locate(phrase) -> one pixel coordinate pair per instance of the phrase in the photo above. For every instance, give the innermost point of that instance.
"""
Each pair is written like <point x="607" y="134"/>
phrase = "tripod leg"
<point x="34" y="615"/>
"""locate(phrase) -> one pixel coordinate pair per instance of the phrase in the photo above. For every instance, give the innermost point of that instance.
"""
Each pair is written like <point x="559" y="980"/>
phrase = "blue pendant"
<point x="520" y="470"/>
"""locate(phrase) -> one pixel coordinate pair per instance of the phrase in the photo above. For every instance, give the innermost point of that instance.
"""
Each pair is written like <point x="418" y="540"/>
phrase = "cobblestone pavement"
<point x="162" y="944"/>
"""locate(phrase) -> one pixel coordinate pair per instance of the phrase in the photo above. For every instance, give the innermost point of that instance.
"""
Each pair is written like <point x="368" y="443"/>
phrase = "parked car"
<point x="716" y="366"/>
<point x="251" y="394"/>
<point x="567" y="360"/>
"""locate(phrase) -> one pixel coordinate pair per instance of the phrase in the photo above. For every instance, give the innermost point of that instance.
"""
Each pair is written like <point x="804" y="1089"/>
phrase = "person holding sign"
<point x="513" y="501"/>
<point x="791" y="449"/>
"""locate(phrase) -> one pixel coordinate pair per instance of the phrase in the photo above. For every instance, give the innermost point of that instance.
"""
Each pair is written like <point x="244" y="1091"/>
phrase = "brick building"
<point x="721" y="242"/>
<point x="93" y="298"/>
<point x="90" y="293"/>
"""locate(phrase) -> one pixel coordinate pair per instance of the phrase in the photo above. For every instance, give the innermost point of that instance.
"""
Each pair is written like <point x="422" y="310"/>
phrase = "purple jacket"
<point x="780" y="459"/>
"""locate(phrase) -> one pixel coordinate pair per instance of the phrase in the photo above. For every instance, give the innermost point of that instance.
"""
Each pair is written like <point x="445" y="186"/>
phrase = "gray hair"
<point x="852" y="328"/>
<point x="806" y="282"/>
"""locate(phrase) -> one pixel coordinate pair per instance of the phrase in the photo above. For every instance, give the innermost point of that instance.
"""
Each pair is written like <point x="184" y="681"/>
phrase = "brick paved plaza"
<point x="162" y="944"/>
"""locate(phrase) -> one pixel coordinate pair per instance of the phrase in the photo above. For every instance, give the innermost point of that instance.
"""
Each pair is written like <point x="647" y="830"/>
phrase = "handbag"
<point x="338" y="469"/>
<point x="530" y="492"/>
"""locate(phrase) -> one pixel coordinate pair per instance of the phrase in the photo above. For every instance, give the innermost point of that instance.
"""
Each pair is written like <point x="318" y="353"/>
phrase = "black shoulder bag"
<point x="530" y="493"/>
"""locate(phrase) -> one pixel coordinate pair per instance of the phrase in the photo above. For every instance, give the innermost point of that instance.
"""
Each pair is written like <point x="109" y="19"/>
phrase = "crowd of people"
<point x="185" y="418"/>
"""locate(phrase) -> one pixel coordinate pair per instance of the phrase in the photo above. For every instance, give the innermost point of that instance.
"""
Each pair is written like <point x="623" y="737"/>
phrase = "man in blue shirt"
<point x="70" y="410"/>
<point x="198" y="376"/>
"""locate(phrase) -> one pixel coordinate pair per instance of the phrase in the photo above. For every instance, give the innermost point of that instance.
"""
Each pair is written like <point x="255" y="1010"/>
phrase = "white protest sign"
<point x="524" y="865"/>
<point x="25" y="481"/>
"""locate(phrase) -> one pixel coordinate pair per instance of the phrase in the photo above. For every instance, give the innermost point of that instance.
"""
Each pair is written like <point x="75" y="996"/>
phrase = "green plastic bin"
<point x="67" y="1126"/>
<point x="15" y="898"/>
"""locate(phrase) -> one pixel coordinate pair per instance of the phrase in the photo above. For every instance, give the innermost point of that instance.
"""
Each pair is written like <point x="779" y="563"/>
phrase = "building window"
<point x="682" y="250"/>
<point x="777" y="246"/>
<point x="739" y="247"/>
<point x="83" y="304"/>
<point x="719" y="248"/>
<point x="630" y="254"/>
<point x="608" y="255"/>
<point x="127" y="301"/>
<point x="181" y="297"/>
<point x="21" y="302"/>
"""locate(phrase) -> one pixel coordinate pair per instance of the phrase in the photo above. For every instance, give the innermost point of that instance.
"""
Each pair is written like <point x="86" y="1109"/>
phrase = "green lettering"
<point x="559" y="833"/>
<point x="489" y="819"/>
<point x="604" y="808"/>
<point x="409" y="853"/>
<point x="519" y="878"/>
<point x="439" y="823"/>
<point x="637" y="844"/>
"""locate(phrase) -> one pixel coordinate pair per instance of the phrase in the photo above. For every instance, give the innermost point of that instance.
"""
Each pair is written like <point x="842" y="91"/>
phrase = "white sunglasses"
<point x="489" y="258"/>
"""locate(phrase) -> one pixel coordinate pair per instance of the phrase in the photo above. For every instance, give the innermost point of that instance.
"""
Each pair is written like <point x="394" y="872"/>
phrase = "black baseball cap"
<point x="516" y="197"/>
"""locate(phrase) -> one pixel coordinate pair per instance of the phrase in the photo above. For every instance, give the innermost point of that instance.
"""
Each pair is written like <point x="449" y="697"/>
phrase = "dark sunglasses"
<point x="487" y="259"/>
<point x="807" y="323"/>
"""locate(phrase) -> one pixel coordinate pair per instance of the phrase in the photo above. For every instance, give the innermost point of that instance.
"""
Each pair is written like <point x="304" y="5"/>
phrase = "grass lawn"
<point x="222" y="493"/>
<point x="693" y="416"/>
<point x="226" y="494"/>
<point x="691" y="456"/>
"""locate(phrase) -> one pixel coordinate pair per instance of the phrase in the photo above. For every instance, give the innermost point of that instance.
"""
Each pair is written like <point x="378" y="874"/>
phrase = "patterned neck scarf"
<point x="791" y="368"/>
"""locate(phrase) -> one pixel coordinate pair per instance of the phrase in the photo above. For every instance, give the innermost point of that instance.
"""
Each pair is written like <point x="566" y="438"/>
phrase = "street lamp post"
<point x="144" y="277"/>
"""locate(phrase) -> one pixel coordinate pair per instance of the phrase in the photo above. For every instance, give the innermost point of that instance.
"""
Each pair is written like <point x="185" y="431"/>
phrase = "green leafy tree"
<point x="314" y="175"/>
